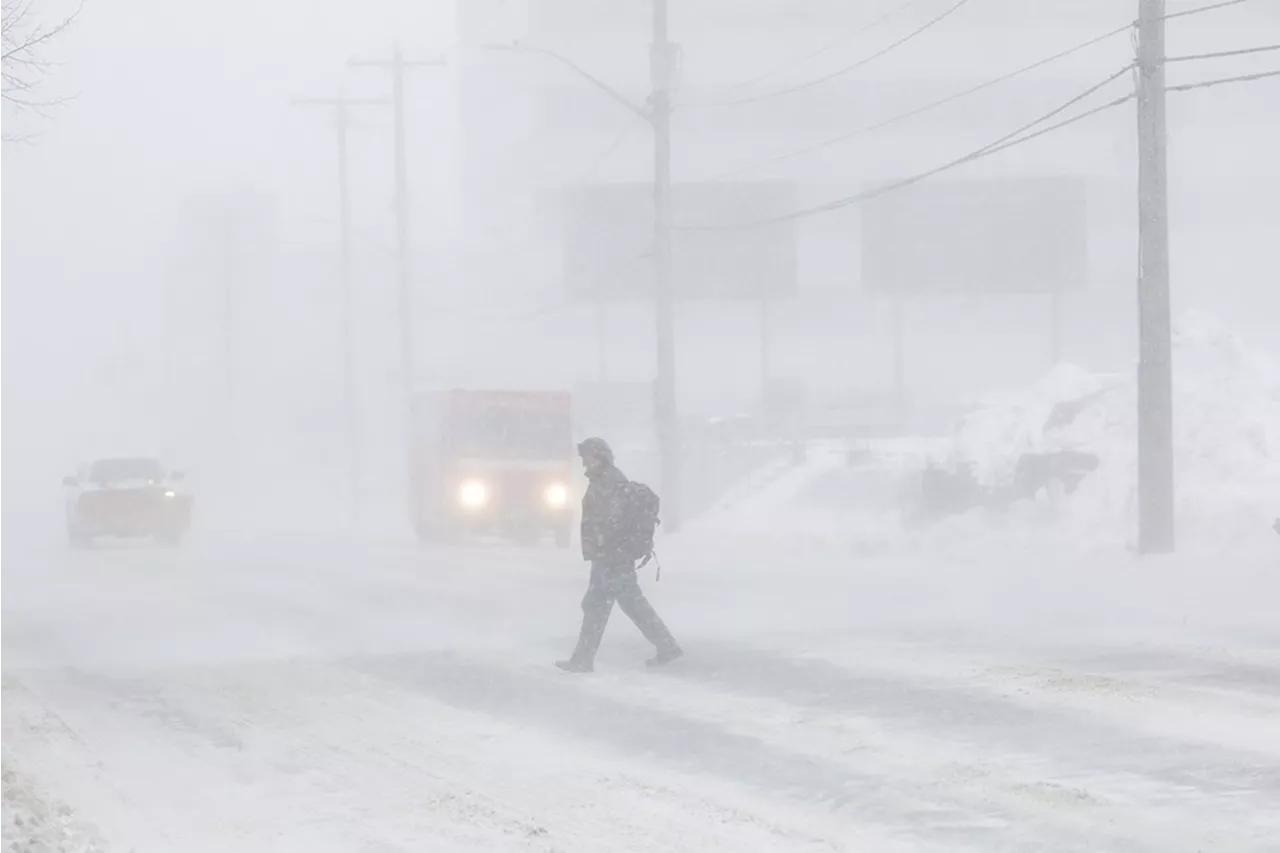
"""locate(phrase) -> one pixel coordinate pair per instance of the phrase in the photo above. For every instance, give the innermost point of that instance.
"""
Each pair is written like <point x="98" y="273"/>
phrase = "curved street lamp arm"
<point x="642" y="111"/>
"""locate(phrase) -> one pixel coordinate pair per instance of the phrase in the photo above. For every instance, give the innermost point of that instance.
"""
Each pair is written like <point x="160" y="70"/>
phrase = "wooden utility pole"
<point x="340" y="108"/>
<point x="1155" y="368"/>
<point x="661" y="61"/>
<point x="398" y="66"/>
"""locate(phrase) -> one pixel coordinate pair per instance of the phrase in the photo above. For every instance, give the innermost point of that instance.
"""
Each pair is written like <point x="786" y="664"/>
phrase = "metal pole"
<point x="660" y="58"/>
<point x="348" y="317"/>
<point x="1155" y="374"/>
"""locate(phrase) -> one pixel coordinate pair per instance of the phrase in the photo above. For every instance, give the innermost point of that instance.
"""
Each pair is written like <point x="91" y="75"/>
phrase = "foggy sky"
<point x="180" y="112"/>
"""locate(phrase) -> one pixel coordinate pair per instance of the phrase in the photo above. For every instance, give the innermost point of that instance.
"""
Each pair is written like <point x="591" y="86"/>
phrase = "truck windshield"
<point x="511" y="433"/>
<point x="112" y="470"/>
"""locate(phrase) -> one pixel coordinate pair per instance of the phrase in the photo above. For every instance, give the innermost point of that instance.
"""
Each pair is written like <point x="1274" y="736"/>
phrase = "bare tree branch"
<point x="23" y="40"/>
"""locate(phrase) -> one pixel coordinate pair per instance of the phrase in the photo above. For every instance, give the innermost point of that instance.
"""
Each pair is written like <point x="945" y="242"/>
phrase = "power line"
<point x="1199" y="9"/>
<point x="1223" y="53"/>
<point x="954" y="7"/>
<point x="1009" y="140"/>
<point x="1245" y="78"/>
<point x="828" y="46"/>
<point x="862" y="131"/>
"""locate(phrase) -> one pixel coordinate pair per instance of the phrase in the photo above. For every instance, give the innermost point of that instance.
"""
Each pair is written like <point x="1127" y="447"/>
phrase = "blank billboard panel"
<point x="608" y="241"/>
<point x="980" y="236"/>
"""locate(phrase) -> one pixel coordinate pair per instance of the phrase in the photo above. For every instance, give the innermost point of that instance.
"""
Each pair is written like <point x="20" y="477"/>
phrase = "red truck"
<point x="497" y="463"/>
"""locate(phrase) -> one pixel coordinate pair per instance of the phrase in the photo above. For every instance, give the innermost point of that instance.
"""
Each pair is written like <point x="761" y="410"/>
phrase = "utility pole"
<point x="1155" y="368"/>
<point x="661" y="60"/>
<point x="341" y="107"/>
<point x="398" y="65"/>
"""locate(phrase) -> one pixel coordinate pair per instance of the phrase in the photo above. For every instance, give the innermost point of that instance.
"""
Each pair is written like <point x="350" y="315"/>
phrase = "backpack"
<point x="638" y="522"/>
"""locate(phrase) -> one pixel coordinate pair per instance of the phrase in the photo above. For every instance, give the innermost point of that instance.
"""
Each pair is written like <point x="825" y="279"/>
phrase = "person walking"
<point x="606" y="524"/>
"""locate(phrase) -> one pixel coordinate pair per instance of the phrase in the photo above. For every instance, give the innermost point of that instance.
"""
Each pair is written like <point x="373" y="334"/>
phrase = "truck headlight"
<point x="170" y="494"/>
<point x="556" y="495"/>
<point x="473" y="494"/>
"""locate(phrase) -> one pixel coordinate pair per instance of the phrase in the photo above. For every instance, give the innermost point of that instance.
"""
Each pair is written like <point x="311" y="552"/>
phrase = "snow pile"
<point x="32" y="825"/>
<point x="825" y="502"/>
<point x="989" y="440"/>
<point x="1226" y="442"/>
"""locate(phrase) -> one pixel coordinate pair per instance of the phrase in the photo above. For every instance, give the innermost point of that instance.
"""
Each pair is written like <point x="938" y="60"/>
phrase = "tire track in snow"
<point x="974" y="716"/>
<point x="870" y="796"/>
<point x="334" y="752"/>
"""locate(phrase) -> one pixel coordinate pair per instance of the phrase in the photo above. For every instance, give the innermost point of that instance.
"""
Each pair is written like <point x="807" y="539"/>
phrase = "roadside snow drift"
<point x="32" y="825"/>
<point x="1226" y="445"/>
<point x="1226" y="441"/>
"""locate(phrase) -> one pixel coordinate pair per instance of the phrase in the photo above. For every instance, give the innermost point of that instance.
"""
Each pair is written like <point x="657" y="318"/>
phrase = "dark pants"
<point x="617" y="583"/>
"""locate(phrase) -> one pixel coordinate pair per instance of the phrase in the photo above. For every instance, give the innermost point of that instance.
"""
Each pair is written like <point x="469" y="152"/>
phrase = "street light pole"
<point x="662" y="55"/>
<point x="661" y="58"/>
<point x="1155" y="369"/>
<point x="341" y="107"/>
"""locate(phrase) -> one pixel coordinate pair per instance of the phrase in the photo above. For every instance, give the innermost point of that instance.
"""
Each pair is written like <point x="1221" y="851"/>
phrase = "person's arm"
<point x="591" y="530"/>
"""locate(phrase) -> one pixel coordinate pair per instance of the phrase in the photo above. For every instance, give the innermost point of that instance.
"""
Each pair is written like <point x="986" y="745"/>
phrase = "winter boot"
<point x="574" y="665"/>
<point x="666" y="656"/>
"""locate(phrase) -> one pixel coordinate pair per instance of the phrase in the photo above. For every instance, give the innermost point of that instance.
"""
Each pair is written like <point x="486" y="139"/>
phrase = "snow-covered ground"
<point x="32" y="824"/>
<point x="334" y="693"/>
<point x="998" y="682"/>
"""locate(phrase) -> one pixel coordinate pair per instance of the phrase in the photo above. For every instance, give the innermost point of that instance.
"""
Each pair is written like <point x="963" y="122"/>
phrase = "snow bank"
<point x="1226" y="443"/>
<point x="1227" y="453"/>
<point x="827" y="502"/>
<point x="32" y="825"/>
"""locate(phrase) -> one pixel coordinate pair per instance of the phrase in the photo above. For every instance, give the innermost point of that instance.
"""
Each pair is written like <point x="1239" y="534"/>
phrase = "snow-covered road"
<point x="327" y="694"/>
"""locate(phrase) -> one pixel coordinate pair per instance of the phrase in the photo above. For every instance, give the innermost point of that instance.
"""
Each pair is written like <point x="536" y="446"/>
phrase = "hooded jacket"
<point x="602" y="508"/>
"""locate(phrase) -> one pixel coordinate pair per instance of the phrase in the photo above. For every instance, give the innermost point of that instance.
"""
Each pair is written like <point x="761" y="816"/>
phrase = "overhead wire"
<point x="1223" y="53"/>
<point x="840" y="72"/>
<point x="1201" y="9"/>
<point x="1019" y="136"/>
<point x="825" y="48"/>
<point x="862" y="131"/>
<point x="1205" y="84"/>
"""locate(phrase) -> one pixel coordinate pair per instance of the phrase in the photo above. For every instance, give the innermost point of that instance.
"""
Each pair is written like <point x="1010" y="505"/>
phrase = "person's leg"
<point x="633" y="603"/>
<point x="597" y="604"/>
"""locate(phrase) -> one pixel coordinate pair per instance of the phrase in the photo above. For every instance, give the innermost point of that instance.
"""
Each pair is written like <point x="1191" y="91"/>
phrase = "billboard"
<point x="977" y="236"/>
<point x="608" y="241"/>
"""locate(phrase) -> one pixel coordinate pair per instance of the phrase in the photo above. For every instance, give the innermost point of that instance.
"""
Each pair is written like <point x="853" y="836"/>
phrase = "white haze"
<point x="181" y="111"/>
<point x="177" y="121"/>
